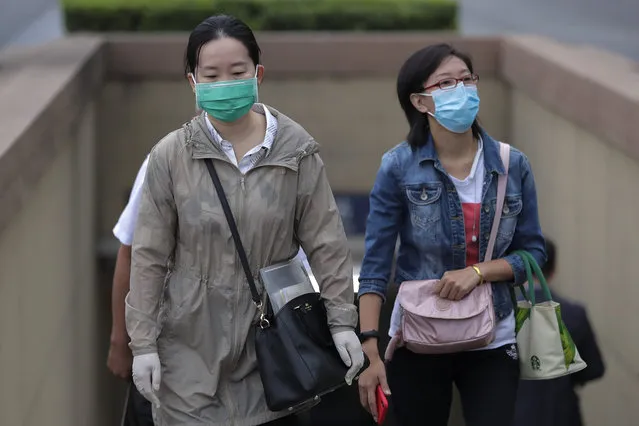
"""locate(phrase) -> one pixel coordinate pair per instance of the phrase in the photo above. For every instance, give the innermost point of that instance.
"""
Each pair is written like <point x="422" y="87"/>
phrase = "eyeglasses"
<point x="451" y="83"/>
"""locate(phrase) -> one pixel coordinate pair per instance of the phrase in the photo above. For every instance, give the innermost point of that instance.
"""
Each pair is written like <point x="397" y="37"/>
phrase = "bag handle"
<point x="532" y="270"/>
<point x="255" y="295"/>
<point x="540" y="276"/>
<point x="530" y="278"/>
<point x="504" y="152"/>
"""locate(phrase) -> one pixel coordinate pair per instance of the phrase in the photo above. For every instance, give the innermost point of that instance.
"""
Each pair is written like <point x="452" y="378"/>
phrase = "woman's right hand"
<point x="368" y="380"/>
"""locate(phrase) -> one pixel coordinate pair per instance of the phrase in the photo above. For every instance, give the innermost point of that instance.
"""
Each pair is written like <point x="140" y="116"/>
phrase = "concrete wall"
<point x="47" y="295"/>
<point x="349" y="106"/>
<point x="590" y="200"/>
<point x="578" y="132"/>
<point x="69" y="152"/>
<point x="355" y="121"/>
<point x="49" y="363"/>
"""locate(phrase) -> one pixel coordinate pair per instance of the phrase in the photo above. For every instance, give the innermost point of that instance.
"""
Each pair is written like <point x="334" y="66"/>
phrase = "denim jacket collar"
<point x="492" y="159"/>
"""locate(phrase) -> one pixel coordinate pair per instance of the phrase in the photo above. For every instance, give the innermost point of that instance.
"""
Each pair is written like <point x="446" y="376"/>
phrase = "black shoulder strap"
<point x="236" y="235"/>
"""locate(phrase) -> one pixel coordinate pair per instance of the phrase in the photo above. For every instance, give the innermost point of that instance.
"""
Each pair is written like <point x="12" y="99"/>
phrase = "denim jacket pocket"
<point x="509" y="215"/>
<point x="501" y="300"/>
<point x="425" y="205"/>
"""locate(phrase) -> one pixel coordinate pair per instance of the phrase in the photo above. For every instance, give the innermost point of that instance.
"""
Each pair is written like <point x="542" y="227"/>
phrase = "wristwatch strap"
<point x="370" y="334"/>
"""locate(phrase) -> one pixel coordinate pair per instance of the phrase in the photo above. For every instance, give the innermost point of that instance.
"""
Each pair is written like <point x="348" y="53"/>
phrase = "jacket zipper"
<point x="239" y="273"/>
<point x="239" y="270"/>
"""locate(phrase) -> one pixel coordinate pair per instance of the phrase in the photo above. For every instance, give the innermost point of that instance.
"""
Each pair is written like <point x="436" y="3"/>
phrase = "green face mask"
<point x="227" y="100"/>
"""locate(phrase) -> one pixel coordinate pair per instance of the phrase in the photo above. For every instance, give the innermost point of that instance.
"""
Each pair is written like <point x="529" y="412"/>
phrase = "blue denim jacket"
<point x="431" y="229"/>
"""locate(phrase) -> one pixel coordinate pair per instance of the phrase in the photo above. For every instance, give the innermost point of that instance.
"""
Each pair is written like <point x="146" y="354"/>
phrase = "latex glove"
<point x="350" y="350"/>
<point x="147" y="376"/>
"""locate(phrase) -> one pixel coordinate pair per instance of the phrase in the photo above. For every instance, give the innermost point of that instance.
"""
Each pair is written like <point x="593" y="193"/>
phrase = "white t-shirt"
<point x="470" y="191"/>
<point x="123" y="230"/>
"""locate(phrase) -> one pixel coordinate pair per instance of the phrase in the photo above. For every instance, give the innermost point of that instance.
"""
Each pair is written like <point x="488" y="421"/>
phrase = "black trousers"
<point x="138" y="411"/>
<point x="340" y="408"/>
<point x="422" y="386"/>
<point x="291" y="420"/>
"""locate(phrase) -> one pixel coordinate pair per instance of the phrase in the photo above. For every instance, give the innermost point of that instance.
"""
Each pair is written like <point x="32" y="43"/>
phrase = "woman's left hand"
<point x="455" y="285"/>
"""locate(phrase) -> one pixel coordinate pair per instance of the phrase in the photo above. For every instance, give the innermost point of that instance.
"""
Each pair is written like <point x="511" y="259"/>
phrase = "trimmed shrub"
<point x="262" y="15"/>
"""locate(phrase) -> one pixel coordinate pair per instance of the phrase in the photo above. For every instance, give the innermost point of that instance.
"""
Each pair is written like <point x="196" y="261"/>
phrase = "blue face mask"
<point x="457" y="108"/>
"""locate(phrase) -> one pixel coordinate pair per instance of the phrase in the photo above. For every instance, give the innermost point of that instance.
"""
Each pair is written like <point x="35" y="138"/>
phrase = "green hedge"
<point x="264" y="15"/>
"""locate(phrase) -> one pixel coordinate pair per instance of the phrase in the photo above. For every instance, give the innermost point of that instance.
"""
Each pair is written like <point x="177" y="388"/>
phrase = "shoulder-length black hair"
<point x="216" y="27"/>
<point x="415" y="71"/>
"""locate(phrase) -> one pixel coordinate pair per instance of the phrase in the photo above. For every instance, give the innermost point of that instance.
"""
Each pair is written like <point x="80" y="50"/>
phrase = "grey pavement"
<point x="611" y="24"/>
<point x="30" y="22"/>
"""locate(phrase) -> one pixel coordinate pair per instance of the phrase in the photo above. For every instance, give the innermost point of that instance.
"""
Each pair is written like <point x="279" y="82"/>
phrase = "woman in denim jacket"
<point x="437" y="191"/>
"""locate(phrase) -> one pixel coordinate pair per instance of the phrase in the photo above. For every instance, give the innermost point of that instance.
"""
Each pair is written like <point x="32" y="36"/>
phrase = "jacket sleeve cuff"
<point x="374" y="286"/>
<point x="341" y="316"/>
<point x="138" y="350"/>
<point x="339" y="328"/>
<point x="519" y="271"/>
<point x="141" y="329"/>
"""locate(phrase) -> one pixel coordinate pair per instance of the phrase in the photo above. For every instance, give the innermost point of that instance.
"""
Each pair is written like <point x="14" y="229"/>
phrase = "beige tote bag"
<point x="546" y="350"/>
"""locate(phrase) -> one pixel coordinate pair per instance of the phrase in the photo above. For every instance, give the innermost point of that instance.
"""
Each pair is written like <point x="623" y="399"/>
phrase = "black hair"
<point x="216" y="27"/>
<point x="551" y="261"/>
<point x="415" y="71"/>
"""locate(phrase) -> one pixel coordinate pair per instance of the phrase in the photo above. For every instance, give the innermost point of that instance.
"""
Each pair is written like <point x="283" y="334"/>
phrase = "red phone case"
<point x="382" y="405"/>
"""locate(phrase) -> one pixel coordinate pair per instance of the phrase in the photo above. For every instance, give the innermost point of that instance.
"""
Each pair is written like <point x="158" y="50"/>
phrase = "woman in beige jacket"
<point x="189" y="312"/>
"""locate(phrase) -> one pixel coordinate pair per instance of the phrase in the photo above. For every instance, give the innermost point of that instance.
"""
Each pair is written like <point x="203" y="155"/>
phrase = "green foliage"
<point x="262" y="15"/>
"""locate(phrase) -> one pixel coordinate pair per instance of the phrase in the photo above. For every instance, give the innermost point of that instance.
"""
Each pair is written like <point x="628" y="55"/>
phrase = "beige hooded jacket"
<point x="189" y="297"/>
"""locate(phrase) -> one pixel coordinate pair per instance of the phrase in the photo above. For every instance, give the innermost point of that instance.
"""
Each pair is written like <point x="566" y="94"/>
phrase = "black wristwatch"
<point x="370" y="334"/>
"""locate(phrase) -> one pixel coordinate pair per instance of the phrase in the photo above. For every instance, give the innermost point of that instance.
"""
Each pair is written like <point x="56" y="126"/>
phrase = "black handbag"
<point x="296" y="356"/>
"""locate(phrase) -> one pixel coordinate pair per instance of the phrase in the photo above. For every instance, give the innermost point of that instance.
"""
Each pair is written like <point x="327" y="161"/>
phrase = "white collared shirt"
<point x="251" y="158"/>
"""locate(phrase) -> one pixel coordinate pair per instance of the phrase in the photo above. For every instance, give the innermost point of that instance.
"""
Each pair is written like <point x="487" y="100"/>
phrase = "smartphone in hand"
<point x="382" y="405"/>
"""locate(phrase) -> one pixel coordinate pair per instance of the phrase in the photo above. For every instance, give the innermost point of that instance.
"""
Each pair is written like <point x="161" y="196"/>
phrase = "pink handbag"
<point x="432" y="325"/>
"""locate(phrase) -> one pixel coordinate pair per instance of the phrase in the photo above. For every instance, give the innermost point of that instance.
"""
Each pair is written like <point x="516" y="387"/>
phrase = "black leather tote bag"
<point x="296" y="356"/>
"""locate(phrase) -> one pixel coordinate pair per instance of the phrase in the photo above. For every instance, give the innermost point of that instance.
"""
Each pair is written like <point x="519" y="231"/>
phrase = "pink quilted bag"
<point x="432" y="325"/>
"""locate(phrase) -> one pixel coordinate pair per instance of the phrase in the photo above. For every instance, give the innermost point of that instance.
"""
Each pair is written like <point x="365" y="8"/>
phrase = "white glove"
<point x="350" y="350"/>
<point x="146" y="376"/>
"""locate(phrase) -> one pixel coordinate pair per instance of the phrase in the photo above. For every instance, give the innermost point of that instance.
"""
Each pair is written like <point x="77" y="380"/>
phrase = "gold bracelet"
<point x="481" y="276"/>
